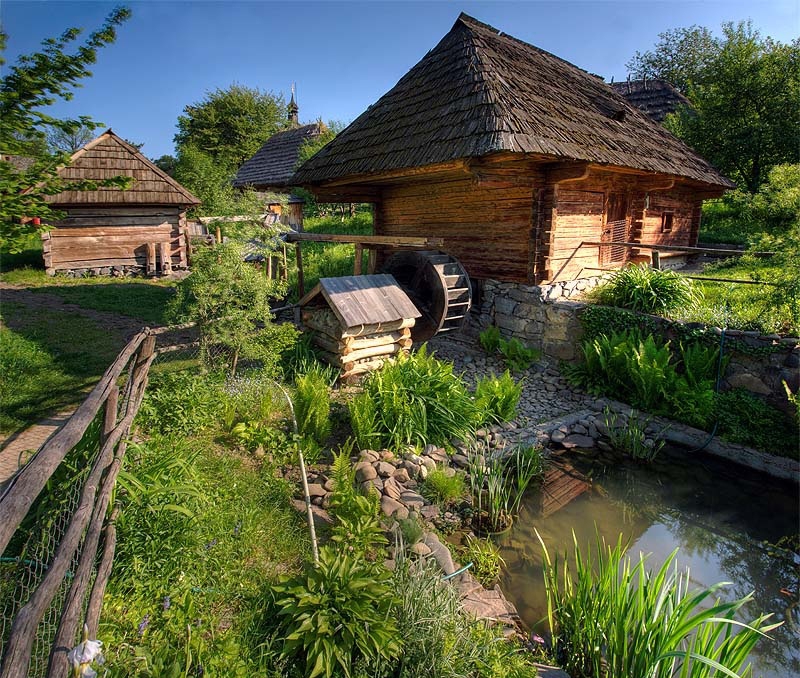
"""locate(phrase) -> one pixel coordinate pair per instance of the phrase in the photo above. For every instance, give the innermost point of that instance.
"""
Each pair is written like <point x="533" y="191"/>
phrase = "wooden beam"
<point x="570" y="171"/>
<point x="301" y="285"/>
<point x="395" y="174"/>
<point x="675" y="248"/>
<point x="359" y="260"/>
<point x="366" y="240"/>
<point x="663" y="184"/>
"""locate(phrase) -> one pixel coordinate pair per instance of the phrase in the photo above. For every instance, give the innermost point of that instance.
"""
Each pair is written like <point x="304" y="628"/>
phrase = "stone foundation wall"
<point x="546" y="318"/>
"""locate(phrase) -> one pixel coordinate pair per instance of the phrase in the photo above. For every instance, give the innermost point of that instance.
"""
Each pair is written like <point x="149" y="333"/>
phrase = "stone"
<point x="460" y="460"/>
<point x="428" y="463"/>
<point x="316" y="501"/>
<point x="429" y="512"/>
<point x="369" y="455"/>
<point x="749" y="382"/>
<point x="421" y="549"/>
<point x="412" y="499"/>
<point x="577" y="440"/>
<point x="392" y="507"/>
<point x="367" y="485"/>
<point x="580" y="428"/>
<point x="401" y="475"/>
<point x="316" y="490"/>
<point x="449" y="471"/>
<point x="423" y="472"/>
<point x="429" y="448"/>
<point x="391" y="488"/>
<point x="365" y="471"/>
<point x="329" y="485"/>
<point x="384" y="469"/>
<point x="558" y="436"/>
<point x="386" y="455"/>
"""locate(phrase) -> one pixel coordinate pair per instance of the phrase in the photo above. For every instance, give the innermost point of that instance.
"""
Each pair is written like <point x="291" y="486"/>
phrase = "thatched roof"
<point x="480" y="91"/>
<point x="109" y="156"/>
<point x="274" y="163"/>
<point x="657" y="98"/>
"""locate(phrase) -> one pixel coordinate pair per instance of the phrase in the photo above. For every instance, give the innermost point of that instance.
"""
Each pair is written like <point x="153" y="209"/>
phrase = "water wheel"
<point x="438" y="286"/>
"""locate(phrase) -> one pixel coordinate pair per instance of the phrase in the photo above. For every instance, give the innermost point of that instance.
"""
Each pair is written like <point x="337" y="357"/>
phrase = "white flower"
<point x="82" y="655"/>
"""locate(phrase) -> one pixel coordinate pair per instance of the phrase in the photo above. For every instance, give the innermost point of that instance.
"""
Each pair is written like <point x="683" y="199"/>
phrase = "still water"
<point x="721" y="517"/>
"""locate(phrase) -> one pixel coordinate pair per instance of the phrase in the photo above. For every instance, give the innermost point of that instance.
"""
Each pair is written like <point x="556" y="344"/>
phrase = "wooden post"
<point x="151" y="258"/>
<point x="358" y="263"/>
<point x="285" y="272"/>
<point x="218" y="235"/>
<point x="166" y="257"/>
<point x="301" y="287"/>
<point x="372" y="261"/>
<point x="656" y="260"/>
<point x="269" y="267"/>
<point x="110" y="414"/>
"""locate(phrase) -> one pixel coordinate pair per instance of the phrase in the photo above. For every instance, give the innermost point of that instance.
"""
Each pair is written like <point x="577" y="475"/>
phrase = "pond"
<point x="722" y="517"/>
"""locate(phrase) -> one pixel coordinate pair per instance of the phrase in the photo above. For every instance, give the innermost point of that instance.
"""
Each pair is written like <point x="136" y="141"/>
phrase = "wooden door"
<point x="615" y="230"/>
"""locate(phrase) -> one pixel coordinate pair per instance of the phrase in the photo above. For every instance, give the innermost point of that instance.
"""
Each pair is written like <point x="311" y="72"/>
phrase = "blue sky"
<point x="342" y="55"/>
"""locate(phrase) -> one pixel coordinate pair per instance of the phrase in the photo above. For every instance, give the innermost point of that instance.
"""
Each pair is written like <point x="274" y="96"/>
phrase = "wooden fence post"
<point x="359" y="260"/>
<point x="301" y="287"/>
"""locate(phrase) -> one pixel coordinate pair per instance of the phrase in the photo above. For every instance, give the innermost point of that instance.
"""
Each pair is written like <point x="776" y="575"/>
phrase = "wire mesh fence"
<point x="53" y="520"/>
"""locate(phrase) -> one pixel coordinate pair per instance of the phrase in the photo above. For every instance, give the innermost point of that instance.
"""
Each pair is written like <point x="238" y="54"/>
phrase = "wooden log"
<point x="348" y="345"/>
<point x="391" y="241"/>
<point x="301" y="286"/>
<point x="359" y="259"/>
<point x="363" y="368"/>
<point x="95" y="604"/>
<point x="151" y="258"/>
<point x="165" y="258"/>
<point x="371" y="352"/>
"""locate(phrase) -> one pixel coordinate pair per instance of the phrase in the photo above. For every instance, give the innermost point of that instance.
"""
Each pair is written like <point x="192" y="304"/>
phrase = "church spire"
<point x="293" y="110"/>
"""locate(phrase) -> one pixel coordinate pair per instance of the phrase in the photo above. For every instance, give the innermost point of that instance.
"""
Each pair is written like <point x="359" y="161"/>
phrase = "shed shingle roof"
<point x="657" y="98"/>
<point x="109" y="156"/>
<point x="274" y="163"/>
<point x="480" y="91"/>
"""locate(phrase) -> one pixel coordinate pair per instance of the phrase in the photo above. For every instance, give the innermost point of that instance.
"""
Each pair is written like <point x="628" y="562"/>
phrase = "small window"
<point x="666" y="221"/>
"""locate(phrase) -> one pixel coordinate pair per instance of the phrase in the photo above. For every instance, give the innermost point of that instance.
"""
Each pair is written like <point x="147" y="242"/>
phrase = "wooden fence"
<point x="54" y="517"/>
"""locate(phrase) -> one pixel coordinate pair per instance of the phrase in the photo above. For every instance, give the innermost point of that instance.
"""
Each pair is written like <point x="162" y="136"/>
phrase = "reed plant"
<point x="485" y="558"/>
<point x="613" y="616"/>
<point x="631" y="437"/>
<point x="443" y="489"/>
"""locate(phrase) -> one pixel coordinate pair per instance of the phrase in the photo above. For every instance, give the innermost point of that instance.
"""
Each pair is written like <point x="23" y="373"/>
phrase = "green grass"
<point x="329" y="260"/>
<point x="739" y="306"/>
<point x="47" y="360"/>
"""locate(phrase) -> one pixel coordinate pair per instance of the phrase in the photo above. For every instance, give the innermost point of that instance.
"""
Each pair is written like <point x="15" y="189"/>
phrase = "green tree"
<point x="229" y="298"/>
<point x="230" y="125"/>
<point x="680" y="57"/>
<point x="745" y="95"/>
<point x="166" y="163"/>
<point x="36" y="81"/>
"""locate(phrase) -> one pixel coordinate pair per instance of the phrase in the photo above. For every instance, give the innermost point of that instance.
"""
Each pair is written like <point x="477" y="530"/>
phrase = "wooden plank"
<point x="682" y="248"/>
<point x="394" y="241"/>
<point x="359" y="259"/>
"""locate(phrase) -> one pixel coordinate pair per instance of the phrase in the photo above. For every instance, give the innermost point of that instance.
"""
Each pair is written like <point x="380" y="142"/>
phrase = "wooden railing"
<point x="68" y="569"/>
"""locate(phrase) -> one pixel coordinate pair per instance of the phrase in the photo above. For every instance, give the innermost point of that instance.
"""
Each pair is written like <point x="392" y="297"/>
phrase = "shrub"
<point x="617" y="618"/>
<point x="485" y="558"/>
<point x="490" y="339"/>
<point x="442" y="488"/>
<point x="336" y="613"/>
<point x="312" y="405"/>
<point x="498" y="397"/>
<point x="644" y="372"/>
<point x="645" y="289"/>
<point x="415" y="399"/>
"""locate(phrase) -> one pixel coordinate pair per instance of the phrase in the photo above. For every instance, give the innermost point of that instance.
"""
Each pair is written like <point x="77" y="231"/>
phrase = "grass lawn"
<point x="740" y="306"/>
<point x="47" y="360"/>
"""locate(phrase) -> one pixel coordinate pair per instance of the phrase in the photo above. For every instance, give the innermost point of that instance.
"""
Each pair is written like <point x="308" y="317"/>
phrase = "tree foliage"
<point x="745" y="95"/>
<point x="36" y="81"/>
<point x="680" y="57"/>
<point x="216" y="136"/>
<point x="69" y="141"/>
<point x="229" y="298"/>
<point x="230" y="125"/>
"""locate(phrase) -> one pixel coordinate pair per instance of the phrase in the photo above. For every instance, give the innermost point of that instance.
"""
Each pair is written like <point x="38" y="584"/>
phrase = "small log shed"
<point x="358" y="322"/>
<point x="530" y="169"/>
<point x="108" y="230"/>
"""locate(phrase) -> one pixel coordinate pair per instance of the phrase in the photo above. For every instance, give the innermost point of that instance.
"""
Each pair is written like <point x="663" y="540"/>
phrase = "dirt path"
<point x="123" y="326"/>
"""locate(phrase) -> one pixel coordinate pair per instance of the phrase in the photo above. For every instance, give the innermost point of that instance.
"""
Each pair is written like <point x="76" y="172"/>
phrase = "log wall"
<point x="488" y="229"/>
<point x="100" y="239"/>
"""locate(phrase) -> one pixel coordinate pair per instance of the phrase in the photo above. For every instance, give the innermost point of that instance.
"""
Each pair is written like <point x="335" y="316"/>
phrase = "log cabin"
<point x="269" y="171"/>
<point x="516" y="159"/>
<point x="140" y="229"/>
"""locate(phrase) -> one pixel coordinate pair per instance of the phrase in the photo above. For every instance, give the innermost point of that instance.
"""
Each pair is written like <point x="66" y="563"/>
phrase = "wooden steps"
<point x="562" y="484"/>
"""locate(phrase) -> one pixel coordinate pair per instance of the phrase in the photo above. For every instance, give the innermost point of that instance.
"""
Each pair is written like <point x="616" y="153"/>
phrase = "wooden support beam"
<point x="301" y="285"/>
<point x="372" y="261"/>
<point x="366" y="240"/>
<point x="151" y="258"/>
<point x="165" y="256"/>
<point x="675" y="248"/>
<point x="359" y="260"/>
<point x="571" y="171"/>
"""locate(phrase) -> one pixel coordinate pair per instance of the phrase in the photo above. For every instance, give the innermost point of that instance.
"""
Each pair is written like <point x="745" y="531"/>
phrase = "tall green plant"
<point x="336" y="613"/>
<point x="498" y="397"/>
<point x="416" y="399"/>
<point x="312" y="405"/>
<point x="645" y="289"/>
<point x="615" y="617"/>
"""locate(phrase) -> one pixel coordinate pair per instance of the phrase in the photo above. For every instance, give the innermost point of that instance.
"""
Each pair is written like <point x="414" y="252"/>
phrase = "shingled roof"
<point x="480" y="91"/>
<point x="274" y="163"/>
<point x="657" y="98"/>
<point x="109" y="156"/>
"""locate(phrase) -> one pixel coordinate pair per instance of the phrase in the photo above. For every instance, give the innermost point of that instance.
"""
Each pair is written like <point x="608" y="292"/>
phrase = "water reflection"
<point x="721" y="518"/>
